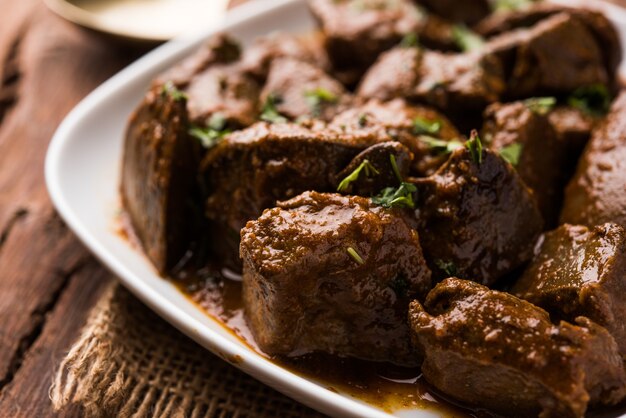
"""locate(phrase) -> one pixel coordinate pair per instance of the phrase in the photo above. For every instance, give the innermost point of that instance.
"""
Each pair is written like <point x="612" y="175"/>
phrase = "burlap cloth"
<point x="129" y="362"/>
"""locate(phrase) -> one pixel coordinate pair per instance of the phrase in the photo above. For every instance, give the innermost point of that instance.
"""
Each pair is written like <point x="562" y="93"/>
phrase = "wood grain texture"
<point x="48" y="281"/>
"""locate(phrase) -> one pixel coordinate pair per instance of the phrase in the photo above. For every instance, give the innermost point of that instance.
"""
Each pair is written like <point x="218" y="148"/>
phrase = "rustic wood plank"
<point x="27" y="394"/>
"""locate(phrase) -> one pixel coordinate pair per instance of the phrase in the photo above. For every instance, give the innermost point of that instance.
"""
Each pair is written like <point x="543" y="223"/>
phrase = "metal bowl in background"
<point x="141" y="20"/>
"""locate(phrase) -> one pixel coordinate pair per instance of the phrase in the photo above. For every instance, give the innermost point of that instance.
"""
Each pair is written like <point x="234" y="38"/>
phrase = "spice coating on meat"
<point x="478" y="220"/>
<point x="491" y="349"/>
<point x="597" y="193"/>
<point x="579" y="271"/>
<point x="331" y="273"/>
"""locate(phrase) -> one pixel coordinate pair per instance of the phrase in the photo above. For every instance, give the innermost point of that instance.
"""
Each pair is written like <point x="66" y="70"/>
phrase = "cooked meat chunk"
<point x="478" y="219"/>
<point x="158" y="177"/>
<point x="540" y="156"/>
<point x="601" y="28"/>
<point x="579" y="271"/>
<point x="224" y="90"/>
<point x="454" y="83"/>
<point x="596" y="194"/>
<point x="573" y="127"/>
<point x="557" y="55"/>
<point x="251" y="169"/>
<point x="335" y="274"/>
<point x="219" y="49"/>
<point x="357" y="31"/>
<point x="423" y="130"/>
<point x="491" y="349"/>
<point x="468" y="12"/>
<point x="257" y="58"/>
<point x="373" y="169"/>
<point x="298" y="89"/>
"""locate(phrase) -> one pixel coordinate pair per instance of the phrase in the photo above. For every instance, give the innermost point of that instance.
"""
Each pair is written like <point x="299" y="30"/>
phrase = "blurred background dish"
<point x="141" y="20"/>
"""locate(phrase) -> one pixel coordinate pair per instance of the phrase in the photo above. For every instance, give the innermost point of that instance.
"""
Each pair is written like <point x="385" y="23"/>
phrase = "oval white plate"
<point x="82" y="175"/>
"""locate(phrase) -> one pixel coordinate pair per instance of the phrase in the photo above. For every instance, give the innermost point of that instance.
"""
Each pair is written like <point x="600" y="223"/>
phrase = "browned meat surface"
<point x="253" y="168"/>
<point x="331" y="273"/>
<point x="600" y="27"/>
<point x="219" y="49"/>
<point x="459" y="84"/>
<point x="579" y="271"/>
<point x="540" y="156"/>
<point x="301" y="90"/>
<point x="478" y="220"/>
<point x="423" y="130"/>
<point x="597" y="193"/>
<point x="257" y="58"/>
<point x="158" y="177"/>
<point x="373" y="170"/>
<point x="573" y="127"/>
<point x="557" y="55"/>
<point x="491" y="349"/>
<point x="468" y="11"/>
<point x="358" y="30"/>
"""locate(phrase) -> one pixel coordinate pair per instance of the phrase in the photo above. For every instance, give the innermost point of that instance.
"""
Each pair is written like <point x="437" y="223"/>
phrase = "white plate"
<point x="82" y="175"/>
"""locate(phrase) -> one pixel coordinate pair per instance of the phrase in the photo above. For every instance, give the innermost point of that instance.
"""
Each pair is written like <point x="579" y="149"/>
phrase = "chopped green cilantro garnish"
<point x="509" y="5"/>
<point x="410" y="40"/>
<point x="317" y="97"/>
<point x="401" y="196"/>
<point x="362" y="121"/>
<point x="466" y="39"/>
<point x="270" y="113"/>
<point x="422" y="126"/>
<point x="365" y="166"/>
<point x="594" y="99"/>
<point x="169" y="89"/>
<point x="511" y="153"/>
<point x="394" y="167"/>
<point x="448" y="267"/>
<point x="440" y="145"/>
<point x="475" y="147"/>
<point x="400" y="286"/>
<point x="213" y="133"/>
<point x="540" y="105"/>
<point x="355" y="255"/>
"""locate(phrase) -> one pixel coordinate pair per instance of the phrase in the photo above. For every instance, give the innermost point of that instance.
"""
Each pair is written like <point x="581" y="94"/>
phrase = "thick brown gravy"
<point x="386" y="386"/>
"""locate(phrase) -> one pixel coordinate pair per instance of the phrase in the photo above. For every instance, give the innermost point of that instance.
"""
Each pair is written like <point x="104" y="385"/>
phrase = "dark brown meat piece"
<point x="542" y="160"/>
<point x="257" y="58"/>
<point x="597" y="193"/>
<point x="491" y="349"/>
<point x="357" y="31"/>
<point x="301" y="90"/>
<point x="407" y="124"/>
<point x="477" y="220"/>
<point x="450" y="82"/>
<point x="158" y="178"/>
<point x="468" y="12"/>
<point x="573" y="127"/>
<point x="304" y="291"/>
<point x="219" y="49"/>
<point x="372" y="170"/>
<point x="602" y="29"/>
<point x="253" y="168"/>
<point x="579" y="271"/>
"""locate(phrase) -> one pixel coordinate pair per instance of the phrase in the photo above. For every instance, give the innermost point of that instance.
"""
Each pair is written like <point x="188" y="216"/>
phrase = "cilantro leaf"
<point x="213" y="133"/>
<point x="410" y="40"/>
<point x="510" y="5"/>
<point x="448" y="267"/>
<point x="440" y="145"/>
<point x="317" y="97"/>
<point x="270" y="113"/>
<point x="540" y="105"/>
<point x="466" y="39"/>
<point x="400" y="197"/>
<point x="475" y="147"/>
<point x="422" y="126"/>
<point x="170" y="89"/>
<point x="365" y="166"/>
<point x="355" y="255"/>
<point x="594" y="100"/>
<point x="511" y="153"/>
